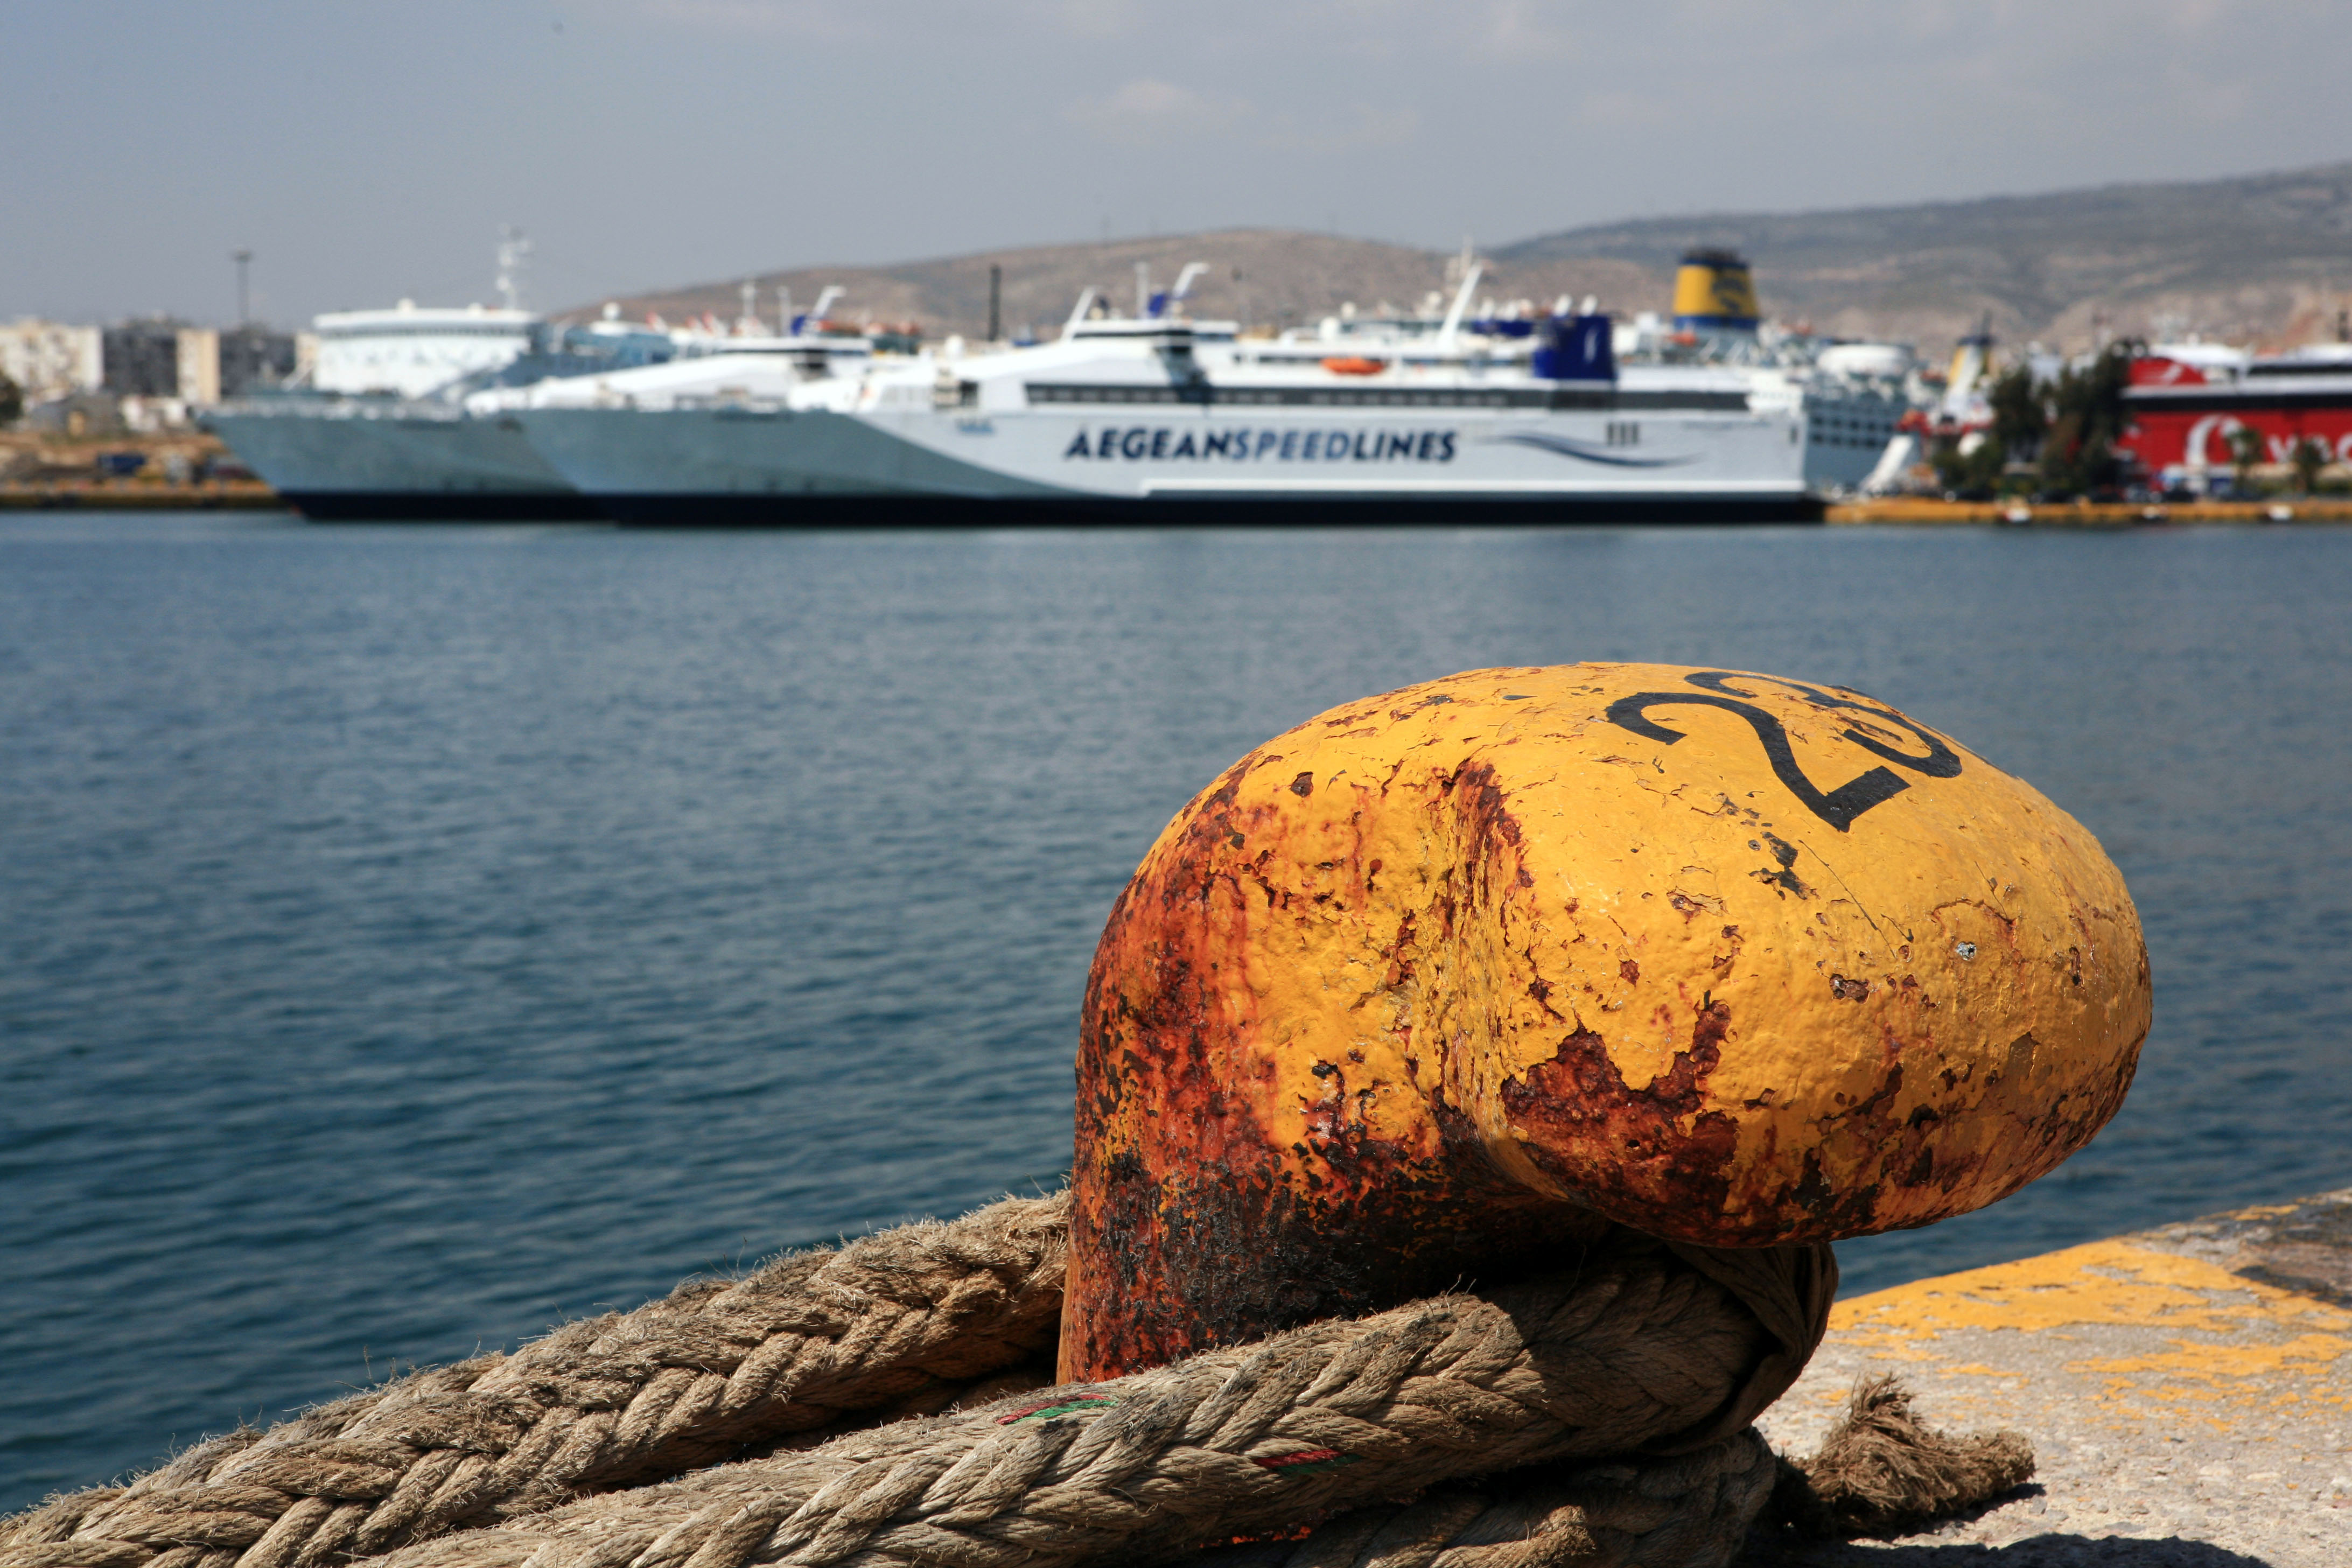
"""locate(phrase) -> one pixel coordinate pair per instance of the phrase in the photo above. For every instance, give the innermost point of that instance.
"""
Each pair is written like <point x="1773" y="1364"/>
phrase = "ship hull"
<point x="2183" y="436"/>
<point x="345" y="465"/>
<point x="677" y="509"/>
<point x="818" y="468"/>
<point x="422" y="506"/>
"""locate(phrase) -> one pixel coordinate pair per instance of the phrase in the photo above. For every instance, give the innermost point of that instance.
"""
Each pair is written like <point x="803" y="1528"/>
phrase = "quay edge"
<point x="2091" y="514"/>
<point x="217" y="496"/>
<point x="2188" y="1392"/>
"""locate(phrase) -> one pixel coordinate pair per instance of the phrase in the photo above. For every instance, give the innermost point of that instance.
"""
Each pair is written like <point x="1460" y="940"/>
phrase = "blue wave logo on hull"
<point x="1566" y="448"/>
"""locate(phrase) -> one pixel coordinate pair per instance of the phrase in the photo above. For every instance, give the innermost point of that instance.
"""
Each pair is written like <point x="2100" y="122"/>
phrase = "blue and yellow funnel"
<point x="1714" y="293"/>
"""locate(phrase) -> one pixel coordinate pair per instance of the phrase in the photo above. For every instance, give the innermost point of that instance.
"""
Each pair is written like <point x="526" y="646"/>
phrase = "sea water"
<point x="411" y="938"/>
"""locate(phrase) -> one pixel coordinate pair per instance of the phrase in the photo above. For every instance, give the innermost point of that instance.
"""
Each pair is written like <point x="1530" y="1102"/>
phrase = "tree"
<point x="2020" y="420"/>
<point x="1971" y="471"/>
<point x="2245" y="451"/>
<point x="12" y="401"/>
<point x="2086" y="420"/>
<point x="2014" y="436"/>
<point x="2308" y="457"/>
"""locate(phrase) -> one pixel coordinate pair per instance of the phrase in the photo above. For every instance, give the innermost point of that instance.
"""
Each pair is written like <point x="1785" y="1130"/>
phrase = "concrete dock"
<point x="2330" y="507"/>
<point x="2188" y="1392"/>
<point x="131" y="495"/>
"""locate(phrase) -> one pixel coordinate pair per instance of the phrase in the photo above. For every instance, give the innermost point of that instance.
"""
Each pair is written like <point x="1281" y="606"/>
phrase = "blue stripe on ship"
<point x="1566" y="447"/>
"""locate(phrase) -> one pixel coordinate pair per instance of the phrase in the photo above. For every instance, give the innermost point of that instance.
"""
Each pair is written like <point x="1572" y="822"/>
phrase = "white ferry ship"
<point x="456" y="454"/>
<point x="366" y="437"/>
<point x="377" y="429"/>
<point x="1158" y="420"/>
<point x="1854" y="396"/>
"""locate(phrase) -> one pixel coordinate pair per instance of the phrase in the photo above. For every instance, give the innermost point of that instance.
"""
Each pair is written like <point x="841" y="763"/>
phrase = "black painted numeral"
<point x="1837" y="807"/>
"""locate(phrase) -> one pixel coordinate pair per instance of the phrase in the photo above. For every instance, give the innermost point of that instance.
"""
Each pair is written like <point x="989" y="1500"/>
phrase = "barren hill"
<point x="1277" y="276"/>
<point x="2265" y="257"/>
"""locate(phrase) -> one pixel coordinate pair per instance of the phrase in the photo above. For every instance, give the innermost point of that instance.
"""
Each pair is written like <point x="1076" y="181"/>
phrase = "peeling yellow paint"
<point x="2103" y="1282"/>
<point x="2197" y="1342"/>
<point x="1730" y="958"/>
<point x="2210" y="1361"/>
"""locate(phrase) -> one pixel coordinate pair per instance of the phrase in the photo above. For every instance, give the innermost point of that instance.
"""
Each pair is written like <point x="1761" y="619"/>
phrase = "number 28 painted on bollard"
<point x="1837" y="807"/>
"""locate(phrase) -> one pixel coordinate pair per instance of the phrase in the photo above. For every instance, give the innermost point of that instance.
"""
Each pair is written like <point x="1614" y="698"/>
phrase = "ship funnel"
<point x="1575" y="348"/>
<point x="1714" y="294"/>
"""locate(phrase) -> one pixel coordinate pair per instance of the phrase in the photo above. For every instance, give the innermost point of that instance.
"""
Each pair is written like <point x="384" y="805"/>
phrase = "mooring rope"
<point x="1693" y="1510"/>
<point x="821" y="1373"/>
<point x="905" y="1321"/>
<point x="1632" y="1352"/>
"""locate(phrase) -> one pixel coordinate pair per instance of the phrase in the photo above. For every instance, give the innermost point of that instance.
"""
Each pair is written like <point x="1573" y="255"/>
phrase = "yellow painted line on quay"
<point x="2189" y="1332"/>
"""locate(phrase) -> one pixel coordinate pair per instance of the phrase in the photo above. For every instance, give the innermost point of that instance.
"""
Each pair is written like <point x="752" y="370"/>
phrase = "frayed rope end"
<point x="1880" y="1471"/>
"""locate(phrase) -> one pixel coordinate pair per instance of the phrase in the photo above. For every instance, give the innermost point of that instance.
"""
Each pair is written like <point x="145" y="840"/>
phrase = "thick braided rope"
<point x="902" y="1322"/>
<point x="1635" y="1351"/>
<point x="1691" y="1511"/>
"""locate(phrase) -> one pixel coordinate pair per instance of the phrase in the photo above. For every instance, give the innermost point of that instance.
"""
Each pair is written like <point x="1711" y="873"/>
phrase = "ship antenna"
<point x="514" y="252"/>
<point x="1453" y="327"/>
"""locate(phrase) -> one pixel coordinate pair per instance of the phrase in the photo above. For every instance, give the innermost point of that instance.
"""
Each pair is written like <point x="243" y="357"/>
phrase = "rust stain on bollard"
<point x="1446" y="981"/>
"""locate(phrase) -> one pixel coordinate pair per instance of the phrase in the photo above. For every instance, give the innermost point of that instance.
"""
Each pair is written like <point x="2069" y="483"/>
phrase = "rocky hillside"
<point x="2265" y="257"/>
<point x="1271" y="276"/>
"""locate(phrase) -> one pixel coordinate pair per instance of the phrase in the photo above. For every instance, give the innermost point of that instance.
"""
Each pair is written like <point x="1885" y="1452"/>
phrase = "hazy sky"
<point x="368" y="151"/>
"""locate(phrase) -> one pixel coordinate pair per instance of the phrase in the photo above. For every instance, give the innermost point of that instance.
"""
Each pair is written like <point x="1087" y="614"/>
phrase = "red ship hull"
<point x="2182" y="430"/>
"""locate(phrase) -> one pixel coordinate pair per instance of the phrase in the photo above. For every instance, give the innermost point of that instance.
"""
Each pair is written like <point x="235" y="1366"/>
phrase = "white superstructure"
<point x="732" y="370"/>
<point x="1852" y="406"/>
<point x="412" y="351"/>
<point x="1852" y="396"/>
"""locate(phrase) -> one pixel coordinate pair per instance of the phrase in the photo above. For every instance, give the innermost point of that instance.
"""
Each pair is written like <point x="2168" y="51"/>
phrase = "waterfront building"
<point x="253" y="358"/>
<point x="141" y="358"/>
<point x="196" y="379"/>
<point x="49" y="360"/>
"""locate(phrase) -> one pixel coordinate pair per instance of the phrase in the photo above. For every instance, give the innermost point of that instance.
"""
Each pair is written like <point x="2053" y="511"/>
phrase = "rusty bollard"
<point x="1443" y="981"/>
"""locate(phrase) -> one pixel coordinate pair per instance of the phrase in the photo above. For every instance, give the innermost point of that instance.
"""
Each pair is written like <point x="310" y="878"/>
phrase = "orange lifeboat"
<point x="1349" y="366"/>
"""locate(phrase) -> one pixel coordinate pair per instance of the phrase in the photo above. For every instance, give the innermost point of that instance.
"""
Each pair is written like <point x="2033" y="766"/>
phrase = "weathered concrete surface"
<point x="2188" y="1392"/>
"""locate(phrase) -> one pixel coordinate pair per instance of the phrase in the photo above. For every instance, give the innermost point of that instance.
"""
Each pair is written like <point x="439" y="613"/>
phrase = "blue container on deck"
<point x="1575" y="348"/>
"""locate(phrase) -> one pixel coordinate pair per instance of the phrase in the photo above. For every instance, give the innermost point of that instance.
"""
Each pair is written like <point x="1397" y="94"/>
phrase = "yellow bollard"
<point x="1444" y="981"/>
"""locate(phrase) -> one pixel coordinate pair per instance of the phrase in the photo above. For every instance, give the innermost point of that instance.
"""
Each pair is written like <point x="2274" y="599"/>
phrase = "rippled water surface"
<point x="412" y="937"/>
